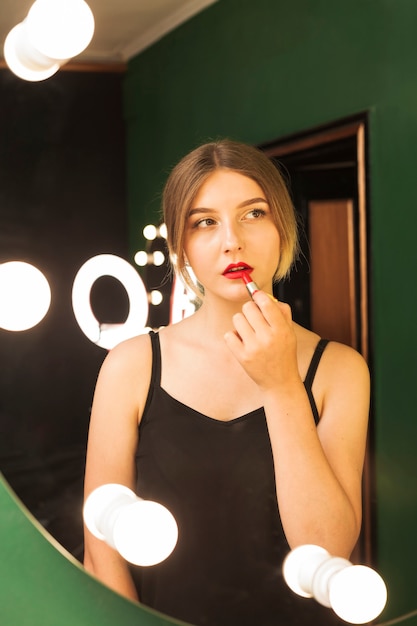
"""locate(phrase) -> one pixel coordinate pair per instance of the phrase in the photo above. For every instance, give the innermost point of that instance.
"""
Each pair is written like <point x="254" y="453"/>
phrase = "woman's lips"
<point x="237" y="270"/>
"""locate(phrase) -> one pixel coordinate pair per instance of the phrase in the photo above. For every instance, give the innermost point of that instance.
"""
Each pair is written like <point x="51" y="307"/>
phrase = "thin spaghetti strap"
<point x="156" y="359"/>
<point x="308" y="381"/>
<point x="155" y="373"/>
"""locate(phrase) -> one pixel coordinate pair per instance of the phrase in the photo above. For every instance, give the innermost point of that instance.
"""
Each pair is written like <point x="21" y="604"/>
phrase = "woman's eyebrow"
<point x="239" y="206"/>
<point x="200" y="210"/>
<point x="252" y="201"/>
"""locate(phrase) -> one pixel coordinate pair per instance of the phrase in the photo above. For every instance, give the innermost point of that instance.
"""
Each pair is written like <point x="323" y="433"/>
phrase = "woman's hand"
<point x="264" y="341"/>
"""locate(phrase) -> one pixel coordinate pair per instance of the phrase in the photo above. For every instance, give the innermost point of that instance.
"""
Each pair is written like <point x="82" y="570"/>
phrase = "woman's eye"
<point x="203" y="223"/>
<point x="256" y="213"/>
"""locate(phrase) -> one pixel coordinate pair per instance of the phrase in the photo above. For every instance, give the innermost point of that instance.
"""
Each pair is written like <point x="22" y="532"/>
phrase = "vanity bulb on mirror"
<point x="25" y="296"/>
<point x="158" y="258"/>
<point x="52" y="32"/>
<point x="163" y="231"/>
<point x="24" y="60"/>
<point x="150" y="232"/>
<point x="141" y="258"/>
<point x="155" y="297"/>
<point x="356" y="593"/>
<point x="60" y="29"/>
<point x="142" y="531"/>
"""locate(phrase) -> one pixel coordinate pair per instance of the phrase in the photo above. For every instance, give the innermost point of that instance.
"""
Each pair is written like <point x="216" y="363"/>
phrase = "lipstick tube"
<point x="251" y="286"/>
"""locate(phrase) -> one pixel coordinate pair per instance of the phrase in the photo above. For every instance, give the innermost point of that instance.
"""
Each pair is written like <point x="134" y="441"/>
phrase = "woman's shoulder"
<point x="129" y="357"/>
<point x="131" y="347"/>
<point x="346" y="362"/>
<point x="338" y="359"/>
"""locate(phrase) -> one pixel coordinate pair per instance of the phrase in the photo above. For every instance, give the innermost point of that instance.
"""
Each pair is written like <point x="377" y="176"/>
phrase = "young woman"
<point x="245" y="425"/>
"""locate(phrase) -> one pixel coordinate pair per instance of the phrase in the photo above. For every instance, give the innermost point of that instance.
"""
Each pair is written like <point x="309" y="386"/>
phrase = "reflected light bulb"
<point x="142" y="531"/>
<point x="25" y="296"/>
<point x="155" y="297"/>
<point x="163" y="231"/>
<point x="141" y="258"/>
<point x="158" y="258"/>
<point x="356" y="593"/>
<point x="60" y="29"/>
<point x="149" y="232"/>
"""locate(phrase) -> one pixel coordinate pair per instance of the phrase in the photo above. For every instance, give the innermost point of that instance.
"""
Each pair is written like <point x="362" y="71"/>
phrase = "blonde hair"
<point x="192" y="171"/>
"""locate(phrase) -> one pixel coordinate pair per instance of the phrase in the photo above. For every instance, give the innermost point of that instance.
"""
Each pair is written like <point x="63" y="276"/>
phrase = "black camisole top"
<point x="217" y="479"/>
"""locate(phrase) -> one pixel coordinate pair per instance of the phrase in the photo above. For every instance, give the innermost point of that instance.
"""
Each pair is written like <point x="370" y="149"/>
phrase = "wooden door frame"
<point x="320" y="137"/>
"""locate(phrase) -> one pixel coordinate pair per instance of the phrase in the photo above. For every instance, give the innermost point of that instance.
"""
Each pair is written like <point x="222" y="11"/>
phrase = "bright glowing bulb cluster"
<point x="356" y="593"/>
<point x="25" y="296"/>
<point x="151" y="232"/>
<point x="53" y="32"/>
<point x="142" y="531"/>
<point x="143" y="258"/>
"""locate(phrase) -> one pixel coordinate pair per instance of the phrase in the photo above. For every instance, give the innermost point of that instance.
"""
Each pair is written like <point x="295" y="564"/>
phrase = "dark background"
<point x="62" y="200"/>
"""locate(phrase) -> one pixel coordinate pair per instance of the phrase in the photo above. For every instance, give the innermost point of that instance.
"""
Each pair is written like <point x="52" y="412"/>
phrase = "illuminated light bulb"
<point x="163" y="231"/>
<point x="155" y="297"/>
<point x="141" y="258"/>
<point x="24" y="60"/>
<point x="150" y="232"/>
<point x="60" y="29"/>
<point x="142" y="531"/>
<point x="158" y="258"/>
<point x="52" y="33"/>
<point x="25" y="296"/>
<point x="356" y="593"/>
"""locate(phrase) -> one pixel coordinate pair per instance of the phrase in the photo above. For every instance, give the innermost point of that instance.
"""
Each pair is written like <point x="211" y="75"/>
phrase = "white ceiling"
<point x="122" y="27"/>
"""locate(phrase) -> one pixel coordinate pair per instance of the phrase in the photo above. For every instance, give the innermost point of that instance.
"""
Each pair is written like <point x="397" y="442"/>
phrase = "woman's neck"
<point x="213" y="320"/>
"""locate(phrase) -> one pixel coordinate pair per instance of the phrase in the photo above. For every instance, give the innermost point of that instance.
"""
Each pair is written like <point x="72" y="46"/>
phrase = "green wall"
<point x="42" y="585"/>
<point x="256" y="71"/>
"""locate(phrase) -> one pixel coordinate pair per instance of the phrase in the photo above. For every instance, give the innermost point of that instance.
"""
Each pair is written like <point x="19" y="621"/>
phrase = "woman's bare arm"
<point x="318" y="469"/>
<point x="119" y="399"/>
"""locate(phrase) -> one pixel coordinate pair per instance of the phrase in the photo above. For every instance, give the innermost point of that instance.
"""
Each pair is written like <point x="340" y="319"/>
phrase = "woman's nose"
<point x="232" y="238"/>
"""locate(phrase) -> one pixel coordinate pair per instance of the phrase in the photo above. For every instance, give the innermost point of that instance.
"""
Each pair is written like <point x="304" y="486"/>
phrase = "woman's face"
<point x="229" y="229"/>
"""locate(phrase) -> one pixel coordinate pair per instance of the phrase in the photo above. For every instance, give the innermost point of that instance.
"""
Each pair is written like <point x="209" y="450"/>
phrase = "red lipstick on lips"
<point x="251" y="286"/>
<point x="236" y="270"/>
